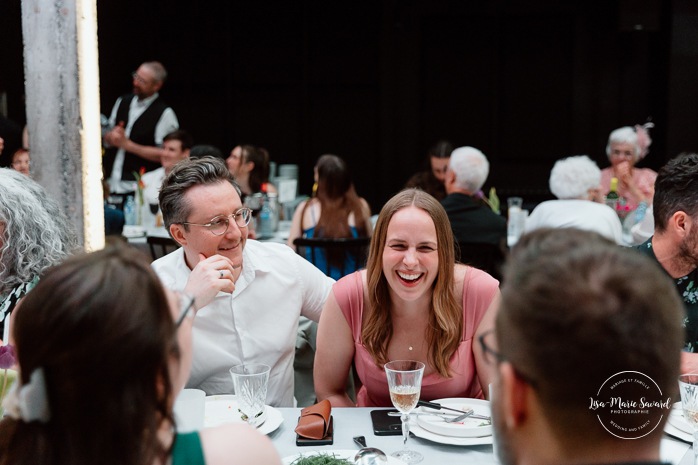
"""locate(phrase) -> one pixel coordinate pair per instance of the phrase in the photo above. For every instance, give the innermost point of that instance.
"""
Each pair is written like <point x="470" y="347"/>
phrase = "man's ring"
<point x="220" y="274"/>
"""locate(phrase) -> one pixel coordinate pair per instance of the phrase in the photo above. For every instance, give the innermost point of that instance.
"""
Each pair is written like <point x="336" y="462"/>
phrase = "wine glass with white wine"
<point x="405" y="383"/>
<point x="688" y="385"/>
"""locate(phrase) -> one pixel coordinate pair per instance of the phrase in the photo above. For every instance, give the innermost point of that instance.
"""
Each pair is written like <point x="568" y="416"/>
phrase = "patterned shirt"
<point x="8" y="302"/>
<point x="687" y="286"/>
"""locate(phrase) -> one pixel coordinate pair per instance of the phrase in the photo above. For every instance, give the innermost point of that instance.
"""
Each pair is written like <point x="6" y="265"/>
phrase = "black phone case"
<point x="326" y="441"/>
<point x="383" y="425"/>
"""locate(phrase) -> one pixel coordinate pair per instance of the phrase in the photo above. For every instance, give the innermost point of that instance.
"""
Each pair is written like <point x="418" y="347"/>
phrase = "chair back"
<point x="161" y="246"/>
<point x="315" y="250"/>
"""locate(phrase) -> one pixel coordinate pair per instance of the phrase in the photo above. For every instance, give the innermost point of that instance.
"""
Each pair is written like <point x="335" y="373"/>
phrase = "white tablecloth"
<point x="350" y="422"/>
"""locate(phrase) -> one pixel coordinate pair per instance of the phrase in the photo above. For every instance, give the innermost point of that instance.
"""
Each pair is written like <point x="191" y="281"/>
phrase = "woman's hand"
<point x="689" y="362"/>
<point x="624" y="173"/>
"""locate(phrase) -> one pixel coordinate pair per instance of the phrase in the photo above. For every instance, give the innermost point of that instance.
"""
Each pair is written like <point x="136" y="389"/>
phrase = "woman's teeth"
<point x="408" y="276"/>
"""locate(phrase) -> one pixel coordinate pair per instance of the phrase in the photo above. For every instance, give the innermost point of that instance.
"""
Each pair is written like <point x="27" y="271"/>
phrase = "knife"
<point x="446" y="416"/>
<point x="434" y="405"/>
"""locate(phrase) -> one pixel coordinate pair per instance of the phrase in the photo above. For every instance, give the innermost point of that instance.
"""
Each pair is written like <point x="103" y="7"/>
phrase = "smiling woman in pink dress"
<point x="627" y="146"/>
<point x="411" y="303"/>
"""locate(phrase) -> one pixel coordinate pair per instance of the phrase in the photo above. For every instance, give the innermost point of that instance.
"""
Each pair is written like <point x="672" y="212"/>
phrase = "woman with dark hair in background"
<point x="100" y="385"/>
<point x="249" y="165"/>
<point x="336" y="211"/>
<point x="432" y="179"/>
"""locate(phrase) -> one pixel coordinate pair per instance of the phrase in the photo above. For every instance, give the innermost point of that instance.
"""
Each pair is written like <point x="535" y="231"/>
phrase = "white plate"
<point x="131" y="231"/>
<point x="677" y="420"/>
<point x="450" y="440"/>
<point x="340" y="454"/>
<point x="223" y="409"/>
<point x="468" y="428"/>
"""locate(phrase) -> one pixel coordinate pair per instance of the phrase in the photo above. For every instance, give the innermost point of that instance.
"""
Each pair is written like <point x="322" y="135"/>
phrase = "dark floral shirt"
<point x="687" y="286"/>
<point x="9" y="301"/>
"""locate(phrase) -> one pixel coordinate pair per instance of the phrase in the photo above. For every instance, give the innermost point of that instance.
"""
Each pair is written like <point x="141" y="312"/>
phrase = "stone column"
<point x="62" y="99"/>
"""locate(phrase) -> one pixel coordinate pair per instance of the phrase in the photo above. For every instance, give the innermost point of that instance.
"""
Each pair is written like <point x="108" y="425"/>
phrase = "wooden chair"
<point x="354" y="247"/>
<point x="161" y="246"/>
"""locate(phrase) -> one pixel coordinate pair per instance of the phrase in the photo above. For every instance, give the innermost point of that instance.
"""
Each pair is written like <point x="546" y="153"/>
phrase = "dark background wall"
<point x="378" y="82"/>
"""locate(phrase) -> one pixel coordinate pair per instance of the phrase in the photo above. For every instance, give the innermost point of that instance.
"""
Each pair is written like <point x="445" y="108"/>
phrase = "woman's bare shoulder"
<point x="459" y="273"/>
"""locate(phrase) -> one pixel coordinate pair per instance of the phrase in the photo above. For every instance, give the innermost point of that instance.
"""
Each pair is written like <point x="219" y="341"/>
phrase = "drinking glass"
<point x="189" y="410"/>
<point x="250" y="381"/>
<point x="405" y="383"/>
<point x="688" y="384"/>
<point x="515" y="222"/>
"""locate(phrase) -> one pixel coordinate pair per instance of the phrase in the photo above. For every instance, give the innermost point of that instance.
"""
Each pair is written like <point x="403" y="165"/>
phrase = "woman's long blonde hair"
<point x="445" y="329"/>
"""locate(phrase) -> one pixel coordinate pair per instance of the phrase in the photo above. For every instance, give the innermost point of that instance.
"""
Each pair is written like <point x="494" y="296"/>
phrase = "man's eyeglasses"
<point x="136" y="77"/>
<point x="219" y="225"/>
<point x="186" y="303"/>
<point x="492" y="356"/>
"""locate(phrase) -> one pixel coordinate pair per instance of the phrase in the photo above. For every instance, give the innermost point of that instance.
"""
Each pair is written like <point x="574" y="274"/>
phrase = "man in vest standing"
<point x="138" y="123"/>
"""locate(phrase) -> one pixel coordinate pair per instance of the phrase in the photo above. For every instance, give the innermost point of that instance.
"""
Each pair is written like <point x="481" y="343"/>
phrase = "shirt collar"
<point x="146" y="101"/>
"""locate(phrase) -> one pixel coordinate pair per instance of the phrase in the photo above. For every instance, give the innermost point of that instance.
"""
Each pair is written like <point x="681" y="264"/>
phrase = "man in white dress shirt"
<point x="176" y="146"/>
<point x="249" y="294"/>
<point x="138" y="123"/>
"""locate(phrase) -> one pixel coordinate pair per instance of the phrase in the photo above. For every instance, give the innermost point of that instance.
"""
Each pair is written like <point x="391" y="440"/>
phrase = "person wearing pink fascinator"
<point x="626" y="146"/>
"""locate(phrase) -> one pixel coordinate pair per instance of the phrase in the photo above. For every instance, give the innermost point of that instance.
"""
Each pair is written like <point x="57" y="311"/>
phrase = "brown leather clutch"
<point x="314" y="422"/>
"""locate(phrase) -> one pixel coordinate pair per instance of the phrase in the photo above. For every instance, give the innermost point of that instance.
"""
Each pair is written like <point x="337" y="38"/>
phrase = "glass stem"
<point x="406" y="429"/>
<point x="695" y="446"/>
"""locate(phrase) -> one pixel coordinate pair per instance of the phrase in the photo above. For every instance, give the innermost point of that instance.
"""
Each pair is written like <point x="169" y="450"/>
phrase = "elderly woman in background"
<point x="101" y="384"/>
<point x="627" y="146"/>
<point x="412" y="302"/>
<point x="575" y="182"/>
<point x="34" y="235"/>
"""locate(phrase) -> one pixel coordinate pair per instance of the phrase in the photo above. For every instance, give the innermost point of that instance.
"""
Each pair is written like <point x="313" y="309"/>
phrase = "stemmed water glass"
<point x="405" y="383"/>
<point x="688" y="384"/>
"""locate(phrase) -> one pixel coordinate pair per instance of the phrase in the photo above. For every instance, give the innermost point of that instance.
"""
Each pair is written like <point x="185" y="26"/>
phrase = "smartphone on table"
<point x="383" y="425"/>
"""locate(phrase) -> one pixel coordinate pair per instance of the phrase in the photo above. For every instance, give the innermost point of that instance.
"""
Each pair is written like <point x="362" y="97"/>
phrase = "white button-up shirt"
<point x="260" y="318"/>
<point x="166" y="124"/>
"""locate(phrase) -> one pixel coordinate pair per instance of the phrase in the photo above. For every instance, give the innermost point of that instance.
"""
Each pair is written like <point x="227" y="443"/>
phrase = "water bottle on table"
<point x="130" y="214"/>
<point x="515" y="223"/>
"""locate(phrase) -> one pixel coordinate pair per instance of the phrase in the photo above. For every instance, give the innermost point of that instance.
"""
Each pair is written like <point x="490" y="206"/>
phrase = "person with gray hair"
<point x="575" y="182"/>
<point x="625" y="148"/>
<point x="249" y="295"/>
<point x="480" y="233"/>
<point x="137" y="126"/>
<point x="34" y="235"/>
<point x="582" y="321"/>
